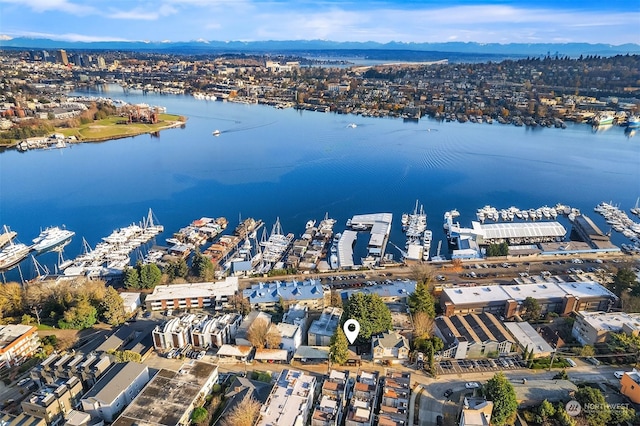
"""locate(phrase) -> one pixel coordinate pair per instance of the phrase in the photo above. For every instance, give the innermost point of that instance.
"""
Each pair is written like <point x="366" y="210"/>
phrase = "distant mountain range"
<point x="311" y="46"/>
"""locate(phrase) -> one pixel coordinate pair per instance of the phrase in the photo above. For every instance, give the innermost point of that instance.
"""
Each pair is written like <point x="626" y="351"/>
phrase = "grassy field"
<point x="109" y="128"/>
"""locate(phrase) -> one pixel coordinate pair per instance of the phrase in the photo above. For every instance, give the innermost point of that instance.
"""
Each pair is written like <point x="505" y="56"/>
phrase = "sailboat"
<point x="636" y="209"/>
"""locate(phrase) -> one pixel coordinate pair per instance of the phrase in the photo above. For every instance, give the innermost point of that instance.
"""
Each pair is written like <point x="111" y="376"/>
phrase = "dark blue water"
<point x="270" y="163"/>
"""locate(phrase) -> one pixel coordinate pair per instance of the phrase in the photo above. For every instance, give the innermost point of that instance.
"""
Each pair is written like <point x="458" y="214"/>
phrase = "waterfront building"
<point x="473" y="336"/>
<point x="324" y="328"/>
<point x="131" y="302"/>
<point x="17" y="343"/>
<point x="590" y="328"/>
<point x="192" y="295"/>
<point x="390" y="347"/>
<point x="506" y="300"/>
<point x="266" y="296"/>
<point x="115" y="390"/>
<point x="290" y="401"/>
<point x="171" y="396"/>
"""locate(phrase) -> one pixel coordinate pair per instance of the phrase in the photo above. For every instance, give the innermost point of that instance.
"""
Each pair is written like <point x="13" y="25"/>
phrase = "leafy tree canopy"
<point x="371" y="312"/>
<point x="339" y="347"/>
<point x="590" y="397"/>
<point x="422" y="300"/>
<point x="501" y="392"/>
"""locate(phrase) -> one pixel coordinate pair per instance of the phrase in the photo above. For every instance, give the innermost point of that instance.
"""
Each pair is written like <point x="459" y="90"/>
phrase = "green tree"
<point x="177" y="269"/>
<point x="532" y="308"/>
<point x="372" y="314"/>
<point x="422" y="300"/>
<point x="112" y="307"/>
<point x="126" y="356"/>
<point x="546" y="410"/>
<point x="590" y="397"/>
<point x="79" y="317"/>
<point x="199" y="415"/>
<point x="563" y="418"/>
<point x="339" y="347"/>
<point x="622" y="414"/>
<point x="202" y="267"/>
<point x="150" y="275"/>
<point x="625" y="280"/>
<point x="131" y="278"/>
<point x="587" y="350"/>
<point x="501" y="392"/>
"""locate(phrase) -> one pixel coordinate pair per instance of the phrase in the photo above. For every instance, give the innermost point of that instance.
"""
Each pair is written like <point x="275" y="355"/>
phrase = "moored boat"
<point x="50" y="238"/>
<point x="13" y="254"/>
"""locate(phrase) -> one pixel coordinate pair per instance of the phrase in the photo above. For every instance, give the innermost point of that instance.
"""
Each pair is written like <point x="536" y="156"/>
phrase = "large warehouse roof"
<point x="519" y="230"/>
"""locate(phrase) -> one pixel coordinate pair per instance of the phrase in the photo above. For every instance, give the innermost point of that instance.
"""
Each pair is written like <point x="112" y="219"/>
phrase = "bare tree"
<point x="243" y="414"/>
<point x="257" y="333"/>
<point x="422" y="324"/>
<point x="423" y="273"/>
<point x="273" y="338"/>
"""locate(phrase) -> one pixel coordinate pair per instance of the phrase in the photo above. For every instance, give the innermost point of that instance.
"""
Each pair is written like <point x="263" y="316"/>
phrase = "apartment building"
<point x="17" y="343"/>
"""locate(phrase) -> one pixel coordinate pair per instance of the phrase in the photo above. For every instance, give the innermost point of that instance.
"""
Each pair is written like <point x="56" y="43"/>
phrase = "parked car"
<point x="571" y="362"/>
<point x="592" y="360"/>
<point x="618" y="374"/>
<point x="472" y="385"/>
<point x="448" y="393"/>
<point x="24" y="381"/>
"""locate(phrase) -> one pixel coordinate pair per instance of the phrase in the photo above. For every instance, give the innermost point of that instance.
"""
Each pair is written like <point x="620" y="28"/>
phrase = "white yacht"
<point x="51" y="237"/>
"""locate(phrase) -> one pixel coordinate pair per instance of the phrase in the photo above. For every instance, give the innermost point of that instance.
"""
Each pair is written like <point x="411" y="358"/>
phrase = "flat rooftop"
<point x="519" y="230"/>
<point x="345" y="248"/>
<point x="194" y="290"/>
<point x="611" y="321"/>
<point x="166" y="397"/>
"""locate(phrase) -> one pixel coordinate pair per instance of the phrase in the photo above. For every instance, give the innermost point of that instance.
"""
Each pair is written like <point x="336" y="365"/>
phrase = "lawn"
<point x="113" y="127"/>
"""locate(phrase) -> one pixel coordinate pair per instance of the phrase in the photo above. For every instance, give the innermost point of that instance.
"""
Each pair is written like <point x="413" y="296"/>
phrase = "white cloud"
<point x="66" y="6"/>
<point x="66" y="36"/>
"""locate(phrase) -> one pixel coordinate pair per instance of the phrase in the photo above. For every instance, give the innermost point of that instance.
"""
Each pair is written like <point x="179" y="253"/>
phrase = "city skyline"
<point x="381" y="21"/>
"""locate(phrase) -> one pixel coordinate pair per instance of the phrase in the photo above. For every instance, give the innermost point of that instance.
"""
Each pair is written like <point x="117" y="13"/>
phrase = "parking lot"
<point x="454" y="366"/>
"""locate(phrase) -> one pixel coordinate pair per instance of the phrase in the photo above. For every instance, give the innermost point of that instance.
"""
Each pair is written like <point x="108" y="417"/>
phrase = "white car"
<point x="472" y="385"/>
<point x="618" y="374"/>
<point x="24" y="381"/>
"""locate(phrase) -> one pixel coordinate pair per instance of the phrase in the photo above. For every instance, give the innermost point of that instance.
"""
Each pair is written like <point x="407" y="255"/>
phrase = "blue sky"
<point x="542" y="21"/>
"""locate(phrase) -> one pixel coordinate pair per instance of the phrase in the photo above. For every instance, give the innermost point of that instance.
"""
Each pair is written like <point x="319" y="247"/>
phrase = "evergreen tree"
<point x="590" y="397"/>
<point x="501" y="392"/>
<point x="150" y="275"/>
<point x="625" y="280"/>
<point x="202" y="267"/>
<point x="131" y="278"/>
<point x="371" y="312"/>
<point x="422" y="301"/>
<point x="339" y="347"/>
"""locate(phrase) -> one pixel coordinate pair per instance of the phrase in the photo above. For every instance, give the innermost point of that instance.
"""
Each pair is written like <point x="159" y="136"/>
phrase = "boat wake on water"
<point x="242" y="129"/>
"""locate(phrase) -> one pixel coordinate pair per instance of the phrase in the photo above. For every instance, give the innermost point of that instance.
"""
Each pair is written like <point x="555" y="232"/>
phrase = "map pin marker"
<point x="351" y="330"/>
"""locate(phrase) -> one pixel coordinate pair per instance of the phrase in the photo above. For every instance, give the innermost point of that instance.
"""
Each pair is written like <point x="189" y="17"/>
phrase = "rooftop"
<point x="611" y="321"/>
<point x="194" y="290"/>
<point x="519" y="230"/>
<point x="528" y="337"/>
<point x="10" y="333"/>
<point x="115" y="381"/>
<point x="288" y="399"/>
<point x="327" y="323"/>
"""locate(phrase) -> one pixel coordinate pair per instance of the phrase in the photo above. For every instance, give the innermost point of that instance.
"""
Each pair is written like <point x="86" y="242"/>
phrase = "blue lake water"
<point x="270" y="163"/>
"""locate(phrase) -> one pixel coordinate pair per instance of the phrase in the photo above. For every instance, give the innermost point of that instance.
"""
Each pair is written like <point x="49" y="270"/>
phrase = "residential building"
<point x="87" y="368"/>
<point x="506" y="300"/>
<point x="310" y="293"/>
<point x="534" y="391"/>
<point x="176" y="332"/>
<point x="52" y="403"/>
<point x="312" y="354"/>
<point x="330" y="410"/>
<point x="630" y="386"/>
<point x="528" y="338"/>
<point x="234" y="353"/>
<point x="473" y="336"/>
<point x="290" y="335"/>
<point x="216" y="331"/>
<point x="394" y="403"/>
<point x="61" y="56"/>
<point x="115" y="390"/>
<point x="364" y="400"/>
<point x="242" y="389"/>
<point x="290" y="401"/>
<point x="21" y="419"/>
<point x="390" y="347"/>
<point x="277" y="356"/>
<point x="476" y="412"/>
<point x="192" y="295"/>
<point x="590" y="328"/>
<point x="242" y="334"/>
<point x="323" y="329"/>
<point x="17" y="343"/>
<point x="298" y="315"/>
<point x="130" y="302"/>
<point x="171" y="396"/>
